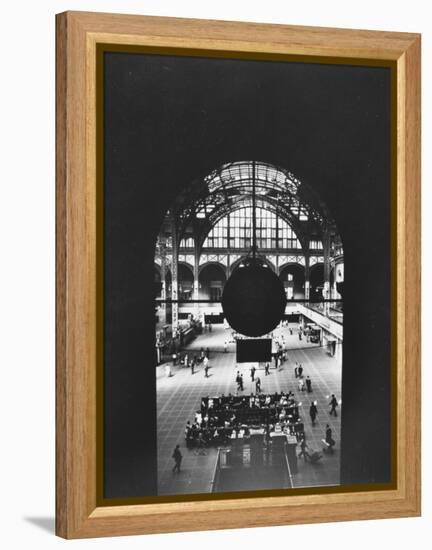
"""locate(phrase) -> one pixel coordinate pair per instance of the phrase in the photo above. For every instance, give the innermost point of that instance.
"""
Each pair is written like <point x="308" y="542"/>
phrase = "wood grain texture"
<point x="76" y="287"/>
<point x="77" y="514"/>
<point x="238" y="36"/>
<point x="61" y="163"/>
<point x="412" y="264"/>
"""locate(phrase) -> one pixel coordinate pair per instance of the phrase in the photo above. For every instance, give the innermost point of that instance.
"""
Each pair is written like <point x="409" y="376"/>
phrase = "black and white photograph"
<point x="247" y="274"/>
<point x="249" y="266"/>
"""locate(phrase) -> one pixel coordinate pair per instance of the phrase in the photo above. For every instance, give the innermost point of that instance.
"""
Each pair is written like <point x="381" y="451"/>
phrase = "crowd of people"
<point x="223" y="418"/>
<point x="226" y="417"/>
<point x="191" y="361"/>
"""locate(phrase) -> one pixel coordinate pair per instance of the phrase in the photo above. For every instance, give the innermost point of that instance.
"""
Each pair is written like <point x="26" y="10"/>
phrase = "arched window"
<point x="315" y="245"/>
<point x="235" y="231"/>
<point x="187" y="243"/>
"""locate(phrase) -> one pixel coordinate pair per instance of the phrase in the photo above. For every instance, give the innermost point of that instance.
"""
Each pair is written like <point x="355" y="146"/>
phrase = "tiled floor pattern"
<point x="178" y="397"/>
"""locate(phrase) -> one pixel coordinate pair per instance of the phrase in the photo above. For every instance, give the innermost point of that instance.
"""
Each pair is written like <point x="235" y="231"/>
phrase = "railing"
<point x="324" y="316"/>
<point x="216" y="471"/>
<point x="290" y="477"/>
<point x="332" y="309"/>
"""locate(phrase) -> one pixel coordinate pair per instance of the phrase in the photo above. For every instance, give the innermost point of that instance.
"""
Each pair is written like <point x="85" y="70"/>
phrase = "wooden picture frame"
<point x="78" y="513"/>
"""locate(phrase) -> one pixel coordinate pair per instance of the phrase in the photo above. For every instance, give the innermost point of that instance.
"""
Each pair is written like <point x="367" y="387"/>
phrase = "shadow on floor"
<point x="46" y="524"/>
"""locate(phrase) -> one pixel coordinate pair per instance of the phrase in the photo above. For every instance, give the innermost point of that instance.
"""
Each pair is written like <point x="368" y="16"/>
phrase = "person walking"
<point x="208" y="353"/>
<point x="303" y="447"/>
<point x="313" y="411"/>
<point x="267" y="367"/>
<point x="329" y="438"/>
<point x="177" y="456"/>
<point x="300" y="371"/>
<point x="296" y="370"/>
<point x="206" y="366"/>
<point x="252" y="371"/>
<point x="237" y="379"/>
<point x="333" y="403"/>
<point x="188" y="434"/>
<point x="301" y="384"/>
<point x="192" y="365"/>
<point x="258" y="385"/>
<point x="308" y="384"/>
<point x="241" y="382"/>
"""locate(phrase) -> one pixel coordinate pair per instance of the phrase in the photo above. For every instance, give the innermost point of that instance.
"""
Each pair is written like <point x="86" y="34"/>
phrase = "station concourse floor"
<point x="179" y="397"/>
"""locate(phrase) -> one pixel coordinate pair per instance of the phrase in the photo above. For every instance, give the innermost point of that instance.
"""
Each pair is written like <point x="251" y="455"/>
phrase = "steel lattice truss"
<point x="229" y="188"/>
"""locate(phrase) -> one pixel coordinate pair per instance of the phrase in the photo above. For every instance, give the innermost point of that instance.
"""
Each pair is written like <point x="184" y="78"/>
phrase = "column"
<point x="195" y="295"/>
<point x="174" y="274"/>
<point x="307" y="278"/>
<point x="332" y="287"/>
<point x="326" y="251"/>
<point x="162" y="308"/>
